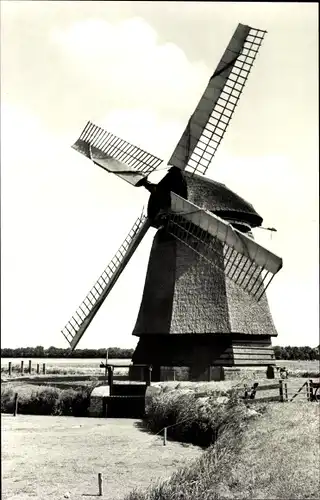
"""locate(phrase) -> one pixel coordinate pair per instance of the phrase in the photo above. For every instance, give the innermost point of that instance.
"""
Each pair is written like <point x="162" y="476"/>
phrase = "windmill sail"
<point x="208" y="124"/>
<point x="85" y="313"/>
<point x="115" y="155"/>
<point x="246" y="262"/>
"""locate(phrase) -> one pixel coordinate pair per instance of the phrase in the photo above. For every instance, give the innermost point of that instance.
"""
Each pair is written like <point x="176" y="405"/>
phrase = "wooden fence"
<point x="29" y="369"/>
<point x="280" y="391"/>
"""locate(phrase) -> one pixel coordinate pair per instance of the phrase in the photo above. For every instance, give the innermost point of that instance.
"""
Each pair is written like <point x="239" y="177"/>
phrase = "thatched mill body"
<point x="204" y="304"/>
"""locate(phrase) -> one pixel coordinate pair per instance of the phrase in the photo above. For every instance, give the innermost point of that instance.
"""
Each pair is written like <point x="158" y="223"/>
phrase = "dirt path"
<point x="50" y="457"/>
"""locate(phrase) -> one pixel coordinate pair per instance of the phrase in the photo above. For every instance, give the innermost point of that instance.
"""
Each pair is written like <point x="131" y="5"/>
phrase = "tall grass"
<point x="43" y="400"/>
<point x="219" y="427"/>
<point x="271" y="453"/>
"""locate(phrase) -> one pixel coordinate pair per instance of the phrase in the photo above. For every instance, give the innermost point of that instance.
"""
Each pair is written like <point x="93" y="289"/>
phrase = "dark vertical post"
<point x="10" y="368"/>
<point x="44" y="368"/>
<point x="310" y="390"/>
<point x="106" y="368"/>
<point x="100" y="484"/>
<point x="270" y="371"/>
<point x="286" y="391"/>
<point x="164" y="436"/>
<point x="148" y="374"/>
<point x="30" y="366"/>
<point x="38" y="368"/>
<point x="21" y="369"/>
<point x="110" y="377"/>
<point x="15" y="404"/>
<point x="281" y="390"/>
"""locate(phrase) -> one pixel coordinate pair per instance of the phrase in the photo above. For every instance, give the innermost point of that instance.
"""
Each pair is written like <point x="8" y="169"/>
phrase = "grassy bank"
<point x="42" y="400"/>
<point x="270" y="453"/>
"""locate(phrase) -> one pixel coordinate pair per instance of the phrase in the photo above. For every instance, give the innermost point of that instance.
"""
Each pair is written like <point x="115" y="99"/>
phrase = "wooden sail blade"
<point x="115" y="155"/>
<point x="80" y="320"/>
<point x="246" y="262"/>
<point x="208" y="124"/>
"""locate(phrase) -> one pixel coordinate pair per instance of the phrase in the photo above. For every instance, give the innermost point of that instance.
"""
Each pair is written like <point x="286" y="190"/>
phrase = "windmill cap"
<point x="217" y="198"/>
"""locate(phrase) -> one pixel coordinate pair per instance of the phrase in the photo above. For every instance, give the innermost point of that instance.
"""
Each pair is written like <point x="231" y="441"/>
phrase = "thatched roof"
<point x="216" y="197"/>
<point x="185" y="294"/>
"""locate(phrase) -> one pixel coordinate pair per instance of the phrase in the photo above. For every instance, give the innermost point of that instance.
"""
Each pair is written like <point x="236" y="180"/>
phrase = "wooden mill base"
<point x="200" y="357"/>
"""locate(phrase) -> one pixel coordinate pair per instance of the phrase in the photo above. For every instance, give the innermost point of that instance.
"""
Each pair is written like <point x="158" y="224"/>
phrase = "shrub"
<point x="44" y="400"/>
<point x="191" y="419"/>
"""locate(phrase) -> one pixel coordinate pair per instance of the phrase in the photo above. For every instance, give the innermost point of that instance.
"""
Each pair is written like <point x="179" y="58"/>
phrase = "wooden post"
<point x="164" y="436"/>
<point x="106" y="368"/>
<point x="310" y="390"/>
<point x="281" y="390"/>
<point x="148" y="375"/>
<point x="38" y="368"/>
<point x="21" y="369"/>
<point x="44" y="368"/>
<point x="10" y="368"/>
<point x="15" y="404"/>
<point x="286" y="391"/>
<point x="30" y="366"/>
<point x="100" y="484"/>
<point x="110" y="377"/>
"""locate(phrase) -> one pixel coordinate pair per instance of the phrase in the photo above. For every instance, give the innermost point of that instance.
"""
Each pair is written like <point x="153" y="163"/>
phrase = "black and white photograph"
<point x="160" y="250"/>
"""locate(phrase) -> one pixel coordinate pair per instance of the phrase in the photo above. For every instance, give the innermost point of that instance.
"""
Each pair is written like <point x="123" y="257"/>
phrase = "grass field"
<point x="63" y="366"/>
<point x="70" y="366"/>
<point x="47" y="457"/>
<point x="60" y="457"/>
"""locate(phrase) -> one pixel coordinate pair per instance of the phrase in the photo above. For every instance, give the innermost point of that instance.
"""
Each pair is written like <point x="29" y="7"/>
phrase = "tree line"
<point x="288" y="352"/>
<point x="56" y="352"/>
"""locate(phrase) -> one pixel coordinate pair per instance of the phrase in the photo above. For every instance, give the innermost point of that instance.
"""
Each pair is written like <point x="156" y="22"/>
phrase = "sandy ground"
<point x="50" y="457"/>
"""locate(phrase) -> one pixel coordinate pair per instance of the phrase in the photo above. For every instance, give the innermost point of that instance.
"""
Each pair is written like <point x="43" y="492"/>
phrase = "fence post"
<point x="310" y="390"/>
<point x="15" y="404"/>
<point x="30" y="366"/>
<point x="44" y="368"/>
<point x="307" y="388"/>
<point x="21" y="369"/>
<point x="10" y="368"/>
<point x="110" y="377"/>
<point x="106" y="367"/>
<point x="38" y="368"/>
<point x="164" y="436"/>
<point x="149" y="372"/>
<point x="100" y="484"/>
<point x="286" y="391"/>
<point x="281" y="390"/>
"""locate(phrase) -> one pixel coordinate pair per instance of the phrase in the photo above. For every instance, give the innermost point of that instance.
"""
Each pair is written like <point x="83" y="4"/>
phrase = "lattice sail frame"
<point x="115" y="155"/>
<point x="80" y="320"/>
<point x="209" y="122"/>
<point x="247" y="263"/>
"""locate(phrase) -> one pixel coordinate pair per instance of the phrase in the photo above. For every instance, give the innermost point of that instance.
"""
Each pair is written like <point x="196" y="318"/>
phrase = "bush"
<point x="44" y="400"/>
<point x="191" y="419"/>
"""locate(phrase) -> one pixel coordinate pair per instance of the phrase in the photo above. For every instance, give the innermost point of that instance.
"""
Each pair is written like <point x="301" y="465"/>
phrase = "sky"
<point x="138" y="69"/>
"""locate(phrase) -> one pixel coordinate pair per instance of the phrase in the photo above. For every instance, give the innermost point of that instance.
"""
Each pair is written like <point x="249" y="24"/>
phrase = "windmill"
<point x="204" y="302"/>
